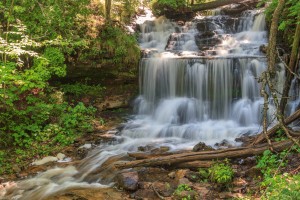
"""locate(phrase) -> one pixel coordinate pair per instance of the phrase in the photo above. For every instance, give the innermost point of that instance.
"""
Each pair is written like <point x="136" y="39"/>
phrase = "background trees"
<point x="38" y="41"/>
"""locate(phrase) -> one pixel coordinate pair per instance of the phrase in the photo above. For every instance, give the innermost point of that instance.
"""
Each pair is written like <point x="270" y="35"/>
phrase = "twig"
<point x="278" y="111"/>
<point x="286" y="66"/>
<point x="264" y="93"/>
<point x="295" y="170"/>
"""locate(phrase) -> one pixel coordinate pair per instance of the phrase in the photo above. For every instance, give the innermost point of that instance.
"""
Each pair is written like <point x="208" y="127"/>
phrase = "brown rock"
<point x="201" y="189"/>
<point x="146" y="194"/>
<point x="171" y="175"/>
<point x="144" y="185"/>
<point x="181" y="173"/>
<point x="164" y="189"/>
<point x="239" y="182"/>
<point x="184" y="181"/>
<point x="128" y="180"/>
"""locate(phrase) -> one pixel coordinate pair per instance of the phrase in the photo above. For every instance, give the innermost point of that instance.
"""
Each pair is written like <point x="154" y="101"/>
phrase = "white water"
<point x="187" y="95"/>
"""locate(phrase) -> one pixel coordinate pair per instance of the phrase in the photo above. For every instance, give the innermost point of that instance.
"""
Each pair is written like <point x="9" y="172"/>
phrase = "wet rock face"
<point x="176" y="40"/>
<point x="128" y="180"/>
<point x="204" y="26"/>
<point x="222" y="23"/>
<point x="210" y="31"/>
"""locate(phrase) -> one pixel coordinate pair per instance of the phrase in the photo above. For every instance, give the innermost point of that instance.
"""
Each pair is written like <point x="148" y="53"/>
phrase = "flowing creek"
<point x="198" y="83"/>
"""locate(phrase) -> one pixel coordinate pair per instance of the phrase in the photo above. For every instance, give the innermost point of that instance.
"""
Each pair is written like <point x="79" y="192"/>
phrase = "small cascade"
<point x="198" y="83"/>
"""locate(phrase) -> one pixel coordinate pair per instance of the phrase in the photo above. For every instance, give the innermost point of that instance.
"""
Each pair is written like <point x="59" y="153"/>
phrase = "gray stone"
<point x="128" y="180"/>
<point x="201" y="146"/>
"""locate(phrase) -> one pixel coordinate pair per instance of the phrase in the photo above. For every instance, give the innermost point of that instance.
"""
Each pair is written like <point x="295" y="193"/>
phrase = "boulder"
<point x="201" y="146"/>
<point x="128" y="180"/>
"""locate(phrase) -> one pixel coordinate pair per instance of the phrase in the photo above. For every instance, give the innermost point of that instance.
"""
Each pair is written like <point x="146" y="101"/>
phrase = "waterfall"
<point x="198" y="83"/>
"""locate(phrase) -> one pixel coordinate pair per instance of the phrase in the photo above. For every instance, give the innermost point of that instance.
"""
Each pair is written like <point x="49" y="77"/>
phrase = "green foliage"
<point x="114" y="47"/>
<point x="40" y="38"/>
<point x="288" y="19"/>
<point x="171" y="3"/>
<point x="221" y="173"/>
<point x="51" y="18"/>
<point x="283" y="187"/>
<point x="204" y="174"/>
<point x="269" y="162"/>
<point x="126" y="9"/>
<point x="159" y="7"/>
<point x="80" y="89"/>
<point x="280" y="135"/>
<point x="180" y="189"/>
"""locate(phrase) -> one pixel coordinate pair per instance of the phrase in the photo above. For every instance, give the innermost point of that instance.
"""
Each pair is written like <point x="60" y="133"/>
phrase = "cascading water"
<point x="198" y="83"/>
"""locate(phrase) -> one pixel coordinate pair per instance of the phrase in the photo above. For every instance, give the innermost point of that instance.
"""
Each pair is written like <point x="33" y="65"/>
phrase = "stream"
<point x="198" y="83"/>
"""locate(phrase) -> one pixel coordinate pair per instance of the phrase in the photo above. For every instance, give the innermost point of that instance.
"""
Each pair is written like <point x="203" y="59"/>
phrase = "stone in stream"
<point x="223" y="144"/>
<point x="201" y="146"/>
<point x="45" y="160"/>
<point x="128" y="180"/>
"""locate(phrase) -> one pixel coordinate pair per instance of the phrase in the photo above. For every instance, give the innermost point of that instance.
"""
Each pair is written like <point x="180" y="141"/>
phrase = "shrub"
<point x="269" y="162"/>
<point x="221" y="173"/>
<point x="80" y="89"/>
<point x="283" y="187"/>
<point x="182" y="188"/>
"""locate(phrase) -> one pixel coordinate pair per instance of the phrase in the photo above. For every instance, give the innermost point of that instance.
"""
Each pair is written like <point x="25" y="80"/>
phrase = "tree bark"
<point x="173" y="160"/>
<point x="292" y="69"/>
<point x="142" y="155"/>
<point x="194" y="165"/>
<point x="213" y="4"/>
<point x="261" y="137"/>
<point x="107" y="9"/>
<point x="273" y="37"/>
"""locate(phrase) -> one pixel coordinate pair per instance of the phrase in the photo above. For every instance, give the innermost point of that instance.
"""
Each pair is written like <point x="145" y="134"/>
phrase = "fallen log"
<point x="261" y="137"/>
<point x="146" y="155"/>
<point x="213" y="4"/>
<point x="194" y="165"/>
<point x="242" y="7"/>
<point x="170" y="160"/>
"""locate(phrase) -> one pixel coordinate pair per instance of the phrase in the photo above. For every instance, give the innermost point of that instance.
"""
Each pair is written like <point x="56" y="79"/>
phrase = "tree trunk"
<point x="107" y="9"/>
<point x="142" y="155"/>
<point x="273" y="37"/>
<point x="194" y="164"/>
<point x="292" y="69"/>
<point x="173" y="160"/>
<point x="261" y="137"/>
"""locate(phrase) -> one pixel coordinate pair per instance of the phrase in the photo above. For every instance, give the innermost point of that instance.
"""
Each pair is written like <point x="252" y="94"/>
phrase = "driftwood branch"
<point x="173" y="160"/>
